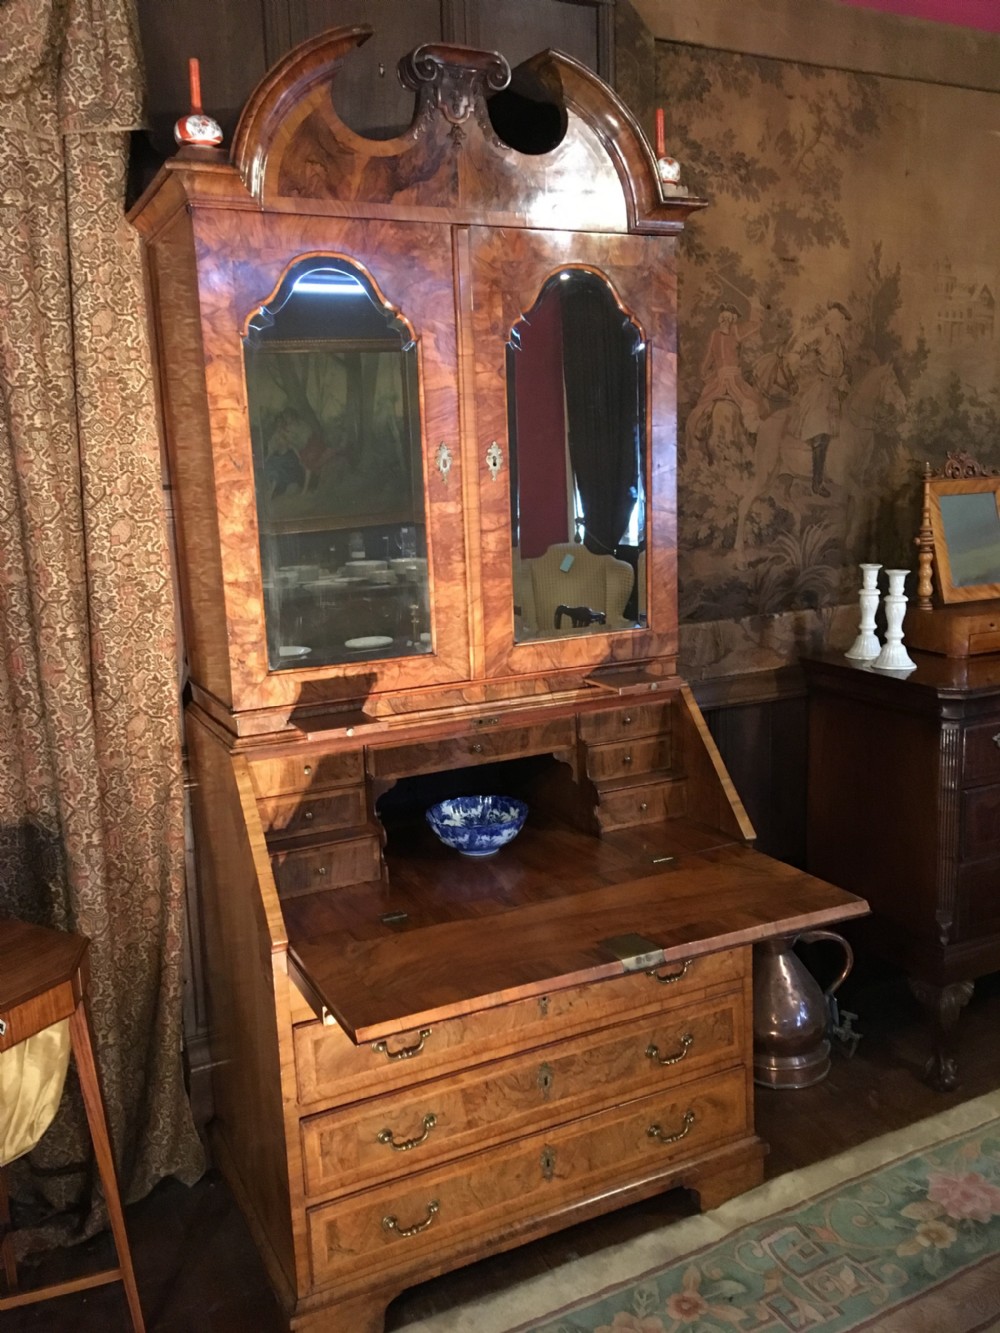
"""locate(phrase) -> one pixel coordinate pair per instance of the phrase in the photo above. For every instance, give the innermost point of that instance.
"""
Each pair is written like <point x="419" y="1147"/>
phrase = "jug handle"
<point x="811" y="936"/>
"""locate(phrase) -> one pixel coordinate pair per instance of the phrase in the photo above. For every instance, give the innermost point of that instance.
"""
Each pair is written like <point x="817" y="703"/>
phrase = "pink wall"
<point x="983" y="14"/>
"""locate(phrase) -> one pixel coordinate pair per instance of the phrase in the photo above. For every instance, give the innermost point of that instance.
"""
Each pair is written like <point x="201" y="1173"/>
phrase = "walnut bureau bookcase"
<point x="395" y="373"/>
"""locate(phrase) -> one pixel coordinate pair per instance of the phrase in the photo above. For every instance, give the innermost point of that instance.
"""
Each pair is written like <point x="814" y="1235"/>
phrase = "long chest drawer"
<point x="330" y="1068"/>
<point x="394" y="1226"/>
<point x="406" y="1131"/>
<point x="981" y="761"/>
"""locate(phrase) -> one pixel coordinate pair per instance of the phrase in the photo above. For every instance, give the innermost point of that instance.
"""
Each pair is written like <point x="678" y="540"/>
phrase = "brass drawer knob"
<point x="307" y="769"/>
<point x="627" y="720"/>
<point x="309" y="815"/>
<point x="404" y="1145"/>
<point x="655" y="1132"/>
<point x="653" y="1052"/>
<point x="627" y="757"/>
<point x="392" y="1223"/>
<point x="671" y="977"/>
<point x="405" y="1052"/>
<point x="476" y="748"/>
<point x="996" y="740"/>
<point x="321" y="870"/>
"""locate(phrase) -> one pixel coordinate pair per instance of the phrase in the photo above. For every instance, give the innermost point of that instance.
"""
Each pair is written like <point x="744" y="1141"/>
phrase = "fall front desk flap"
<point x="449" y="936"/>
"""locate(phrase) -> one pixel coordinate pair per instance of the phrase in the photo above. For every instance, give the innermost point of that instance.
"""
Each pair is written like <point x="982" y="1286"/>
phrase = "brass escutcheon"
<point x="655" y="1132"/>
<point x="548" y="1162"/>
<point x="654" y="1052"/>
<point x="392" y="1223"/>
<point x="404" y="1145"/>
<point x="405" y="1052"/>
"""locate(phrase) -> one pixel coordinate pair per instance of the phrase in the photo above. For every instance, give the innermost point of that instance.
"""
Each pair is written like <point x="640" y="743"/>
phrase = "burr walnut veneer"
<point x="420" y="1058"/>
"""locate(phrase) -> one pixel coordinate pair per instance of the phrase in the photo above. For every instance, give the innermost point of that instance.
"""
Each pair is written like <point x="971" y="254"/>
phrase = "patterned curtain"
<point x="91" y="801"/>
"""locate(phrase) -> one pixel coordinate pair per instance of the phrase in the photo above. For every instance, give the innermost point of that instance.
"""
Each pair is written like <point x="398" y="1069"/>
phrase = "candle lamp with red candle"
<point x="196" y="130"/>
<point x="668" y="167"/>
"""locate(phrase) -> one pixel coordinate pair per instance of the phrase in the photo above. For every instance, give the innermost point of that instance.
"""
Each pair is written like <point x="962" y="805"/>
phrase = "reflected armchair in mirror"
<point x="570" y="578"/>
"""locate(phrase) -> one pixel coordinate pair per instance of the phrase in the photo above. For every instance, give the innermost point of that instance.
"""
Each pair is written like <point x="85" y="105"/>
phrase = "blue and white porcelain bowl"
<point x="477" y="825"/>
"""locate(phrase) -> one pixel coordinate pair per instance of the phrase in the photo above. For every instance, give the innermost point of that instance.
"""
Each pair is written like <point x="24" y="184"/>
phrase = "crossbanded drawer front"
<point x="275" y="777"/>
<point x="285" y="815"/>
<point x="391" y="1227"/>
<point x="348" y="861"/>
<point x="644" y="804"/>
<point x="477" y="747"/>
<point x="330" y="1068"/>
<point x="626" y="759"/>
<point x="622" y="723"/>
<point x="395" y="1135"/>
<point x="982" y="752"/>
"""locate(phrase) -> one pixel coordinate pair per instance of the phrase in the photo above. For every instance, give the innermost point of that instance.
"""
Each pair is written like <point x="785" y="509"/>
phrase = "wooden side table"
<point x="904" y="808"/>
<point x="43" y="979"/>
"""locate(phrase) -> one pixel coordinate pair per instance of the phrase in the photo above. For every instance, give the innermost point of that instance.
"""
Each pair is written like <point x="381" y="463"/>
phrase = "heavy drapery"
<point x="91" y="803"/>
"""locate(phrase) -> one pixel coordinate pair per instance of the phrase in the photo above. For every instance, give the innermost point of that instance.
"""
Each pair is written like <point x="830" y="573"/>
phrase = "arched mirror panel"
<point x="576" y="396"/>
<point x="333" y="397"/>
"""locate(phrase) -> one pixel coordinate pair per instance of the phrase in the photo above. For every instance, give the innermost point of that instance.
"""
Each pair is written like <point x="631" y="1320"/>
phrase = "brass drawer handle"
<point x="655" y="1132"/>
<point x="672" y="976"/>
<point x="405" y="1052"/>
<point x="996" y="740"/>
<point x="321" y="871"/>
<point x="392" y="1223"/>
<point x="476" y="748"/>
<point x="404" y="1145"/>
<point x="309" y="815"/>
<point x="654" y="1052"/>
<point x="3" y="1027"/>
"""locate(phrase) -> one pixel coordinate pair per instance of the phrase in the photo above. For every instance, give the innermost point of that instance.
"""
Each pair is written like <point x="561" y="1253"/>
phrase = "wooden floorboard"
<point x="198" y="1272"/>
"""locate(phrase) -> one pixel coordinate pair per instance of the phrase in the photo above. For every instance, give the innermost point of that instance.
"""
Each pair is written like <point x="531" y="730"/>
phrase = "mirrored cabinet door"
<point x="566" y="394"/>
<point x="346" y="365"/>
<point x="333" y="393"/>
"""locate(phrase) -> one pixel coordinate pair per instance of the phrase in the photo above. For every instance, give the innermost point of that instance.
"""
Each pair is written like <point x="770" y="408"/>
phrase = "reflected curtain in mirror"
<point x="576" y="373"/>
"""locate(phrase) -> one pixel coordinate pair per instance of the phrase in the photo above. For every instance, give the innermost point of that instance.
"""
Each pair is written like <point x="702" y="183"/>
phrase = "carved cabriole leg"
<point x="363" y="1314"/>
<point x="943" y="1005"/>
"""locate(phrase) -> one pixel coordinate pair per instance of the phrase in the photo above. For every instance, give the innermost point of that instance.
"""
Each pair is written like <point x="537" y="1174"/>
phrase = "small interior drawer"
<point x="313" y="814"/>
<point x="625" y="759"/>
<point x="331" y="1068"/>
<point x="274" y="777"/>
<point x="622" y="723"/>
<point x="348" y="861"/>
<point x="387" y="1137"/>
<point x="982" y="752"/>
<point x="482" y="1195"/>
<point x="644" y="803"/>
<point x="477" y="747"/>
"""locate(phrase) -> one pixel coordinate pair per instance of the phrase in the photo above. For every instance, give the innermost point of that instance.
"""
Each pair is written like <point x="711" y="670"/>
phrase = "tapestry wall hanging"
<point x="838" y="328"/>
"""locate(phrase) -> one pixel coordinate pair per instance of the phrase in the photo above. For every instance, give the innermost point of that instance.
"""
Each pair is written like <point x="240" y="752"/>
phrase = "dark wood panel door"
<point x="368" y="95"/>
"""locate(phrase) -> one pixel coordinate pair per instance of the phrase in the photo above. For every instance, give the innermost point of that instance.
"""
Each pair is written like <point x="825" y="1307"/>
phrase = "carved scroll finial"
<point x="453" y="78"/>
<point x="960" y="464"/>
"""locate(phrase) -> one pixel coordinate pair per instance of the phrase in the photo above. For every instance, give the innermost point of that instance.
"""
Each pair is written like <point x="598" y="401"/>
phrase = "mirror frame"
<point x="949" y="590"/>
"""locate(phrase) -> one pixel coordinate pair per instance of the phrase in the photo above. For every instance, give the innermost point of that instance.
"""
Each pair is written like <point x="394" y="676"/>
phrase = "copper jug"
<point x="791" y="1014"/>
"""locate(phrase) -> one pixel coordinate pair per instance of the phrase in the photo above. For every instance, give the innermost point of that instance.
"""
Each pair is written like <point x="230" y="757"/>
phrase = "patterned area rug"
<point x="900" y="1236"/>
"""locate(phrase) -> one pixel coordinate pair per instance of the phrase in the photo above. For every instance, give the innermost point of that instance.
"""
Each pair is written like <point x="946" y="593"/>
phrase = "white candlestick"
<point x="866" y="646"/>
<point x="894" y="656"/>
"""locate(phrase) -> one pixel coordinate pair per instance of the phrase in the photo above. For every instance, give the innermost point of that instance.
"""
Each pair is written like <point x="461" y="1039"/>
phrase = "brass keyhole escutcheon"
<point x="545" y="1079"/>
<point x="548" y="1162"/>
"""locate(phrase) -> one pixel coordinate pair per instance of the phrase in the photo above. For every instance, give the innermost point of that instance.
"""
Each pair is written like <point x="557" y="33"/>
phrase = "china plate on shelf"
<point x="372" y="641"/>
<point x="294" y="650"/>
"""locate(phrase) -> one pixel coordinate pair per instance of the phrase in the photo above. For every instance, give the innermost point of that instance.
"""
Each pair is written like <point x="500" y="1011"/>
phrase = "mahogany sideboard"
<point x="904" y="808"/>
<point x="411" y="387"/>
